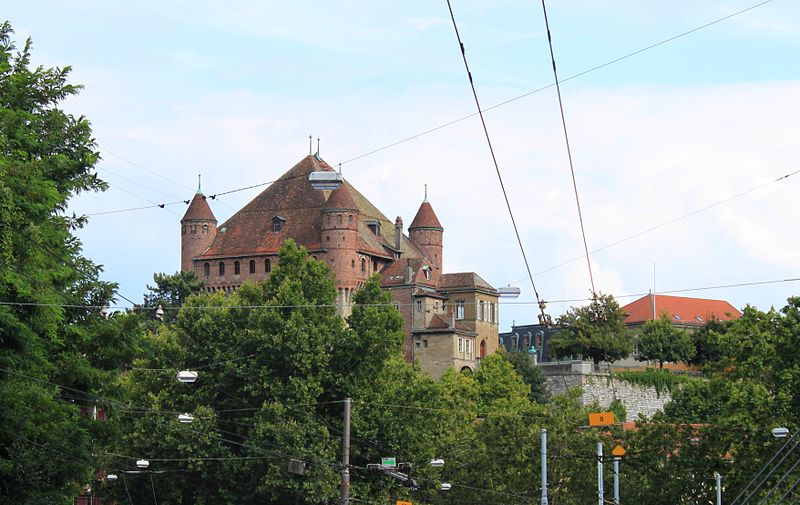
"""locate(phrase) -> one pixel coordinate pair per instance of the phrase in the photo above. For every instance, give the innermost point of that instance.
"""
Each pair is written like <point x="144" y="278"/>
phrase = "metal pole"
<point x="599" y="473"/>
<point x="616" y="480"/>
<point x="345" y="495"/>
<point x="543" y="500"/>
<point x="718" y="478"/>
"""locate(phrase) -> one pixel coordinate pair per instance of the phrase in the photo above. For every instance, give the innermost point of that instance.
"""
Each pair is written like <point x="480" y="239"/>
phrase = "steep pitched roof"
<point x="462" y="280"/>
<point x="291" y="197"/>
<point x="199" y="210"/>
<point x="341" y="199"/>
<point x="679" y="309"/>
<point x="425" y="218"/>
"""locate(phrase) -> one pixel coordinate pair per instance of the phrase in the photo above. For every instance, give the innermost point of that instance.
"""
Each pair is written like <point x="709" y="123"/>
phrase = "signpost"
<point x="601" y="419"/>
<point x="401" y="502"/>
<point x="618" y="452"/>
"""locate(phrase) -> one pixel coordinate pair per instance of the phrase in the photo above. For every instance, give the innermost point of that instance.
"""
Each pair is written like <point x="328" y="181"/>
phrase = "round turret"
<point x="198" y="229"/>
<point x="427" y="233"/>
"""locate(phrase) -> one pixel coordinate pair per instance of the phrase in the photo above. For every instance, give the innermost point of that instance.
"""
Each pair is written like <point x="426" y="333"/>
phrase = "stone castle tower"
<point x="339" y="236"/>
<point x="427" y="233"/>
<point x="198" y="229"/>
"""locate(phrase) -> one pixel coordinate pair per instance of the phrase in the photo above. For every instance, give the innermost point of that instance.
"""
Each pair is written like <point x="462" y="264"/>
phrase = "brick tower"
<point x="339" y="236"/>
<point x="198" y="229"/>
<point x="427" y="233"/>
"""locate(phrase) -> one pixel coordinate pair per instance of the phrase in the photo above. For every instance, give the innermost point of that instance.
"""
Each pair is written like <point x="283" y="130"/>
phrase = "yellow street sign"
<point x="401" y="502"/>
<point x="601" y="419"/>
<point x="618" y="451"/>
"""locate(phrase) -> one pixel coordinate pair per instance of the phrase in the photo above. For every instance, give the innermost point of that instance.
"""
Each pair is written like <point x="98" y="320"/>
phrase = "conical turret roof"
<point x="341" y="199"/>
<point x="199" y="210"/>
<point x="425" y="218"/>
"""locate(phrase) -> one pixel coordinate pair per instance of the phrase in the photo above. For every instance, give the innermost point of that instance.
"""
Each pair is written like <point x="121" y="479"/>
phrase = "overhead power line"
<point x="569" y="150"/>
<point x="569" y="78"/>
<point x="491" y="151"/>
<point x="313" y="306"/>
<point x="666" y="223"/>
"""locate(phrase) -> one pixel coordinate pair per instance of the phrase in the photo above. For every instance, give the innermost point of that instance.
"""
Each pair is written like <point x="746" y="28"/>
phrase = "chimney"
<point x="409" y="272"/>
<point x="452" y="319"/>
<point x="398" y="233"/>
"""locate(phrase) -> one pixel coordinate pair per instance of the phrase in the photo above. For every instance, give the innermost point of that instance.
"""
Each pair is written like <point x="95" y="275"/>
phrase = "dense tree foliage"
<point x="596" y="331"/>
<point x="661" y="341"/>
<point x="56" y="350"/>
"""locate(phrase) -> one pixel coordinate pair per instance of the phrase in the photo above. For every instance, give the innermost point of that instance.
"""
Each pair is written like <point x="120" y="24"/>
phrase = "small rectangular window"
<point x="480" y="310"/>
<point x="459" y="309"/>
<point x="425" y="344"/>
<point x="460" y="344"/>
<point x="419" y="305"/>
<point x="466" y="345"/>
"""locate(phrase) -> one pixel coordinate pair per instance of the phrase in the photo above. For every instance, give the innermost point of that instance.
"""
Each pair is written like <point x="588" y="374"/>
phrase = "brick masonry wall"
<point x="597" y="387"/>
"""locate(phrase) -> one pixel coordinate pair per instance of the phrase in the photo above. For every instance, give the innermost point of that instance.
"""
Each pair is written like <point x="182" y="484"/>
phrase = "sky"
<point x="677" y="150"/>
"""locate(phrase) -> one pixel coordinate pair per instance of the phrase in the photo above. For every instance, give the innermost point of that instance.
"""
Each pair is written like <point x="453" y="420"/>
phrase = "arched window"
<point x="236" y="268"/>
<point x="222" y="268"/>
<point x="206" y="269"/>
<point x="363" y="265"/>
<point x="252" y="266"/>
<point x="267" y="266"/>
<point x="350" y="218"/>
<point x="205" y="229"/>
<point x="338" y="219"/>
<point x="194" y="229"/>
<point x="483" y="349"/>
<point x="352" y="263"/>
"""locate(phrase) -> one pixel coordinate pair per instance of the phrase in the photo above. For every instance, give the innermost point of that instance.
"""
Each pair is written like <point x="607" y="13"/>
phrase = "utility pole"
<point x="345" y="495"/>
<point x="718" y="478"/>
<point x="599" y="473"/>
<point x="543" y="500"/>
<point x="616" y="480"/>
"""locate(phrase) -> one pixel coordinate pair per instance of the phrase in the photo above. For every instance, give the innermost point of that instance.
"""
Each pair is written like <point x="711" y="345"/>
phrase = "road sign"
<point x="401" y="502"/>
<point x="618" y="451"/>
<point x="601" y="419"/>
<point x="389" y="462"/>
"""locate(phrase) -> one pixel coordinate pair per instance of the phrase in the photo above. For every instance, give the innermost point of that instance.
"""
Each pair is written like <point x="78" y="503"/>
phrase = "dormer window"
<point x="277" y="223"/>
<point x="374" y="226"/>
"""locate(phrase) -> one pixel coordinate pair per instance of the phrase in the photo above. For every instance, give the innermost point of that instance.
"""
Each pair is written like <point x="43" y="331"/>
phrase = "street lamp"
<point x="437" y="463"/>
<point x="187" y="376"/>
<point x="185" y="418"/>
<point x="143" y="464"/>
<point x="780" y="432"/>
<point x="509" y="291"/>
<point x="445" y="486"/>
<point x="112" y="477"/>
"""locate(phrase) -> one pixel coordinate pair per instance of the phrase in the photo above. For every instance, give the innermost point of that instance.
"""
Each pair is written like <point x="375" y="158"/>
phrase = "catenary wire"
<point x="463" y="118"/>
<point x="491" y="149"/>
<point x="666" y="223"/>
<point x="569" y="150"/>
<point x="102" y="148"/>
<point x="569" y="78"/>
<point x="307" y="306"/>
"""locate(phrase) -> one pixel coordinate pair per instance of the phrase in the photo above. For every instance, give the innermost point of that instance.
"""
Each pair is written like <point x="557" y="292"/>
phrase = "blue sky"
<point x="233" y="90"/>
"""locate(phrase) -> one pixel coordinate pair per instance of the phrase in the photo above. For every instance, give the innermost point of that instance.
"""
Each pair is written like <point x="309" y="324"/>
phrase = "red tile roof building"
<point x="451" y="320"/>
<point x="682" y="311"/>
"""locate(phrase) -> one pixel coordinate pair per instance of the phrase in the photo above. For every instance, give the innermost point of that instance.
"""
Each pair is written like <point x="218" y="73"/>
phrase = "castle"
<point x="450" y="319"/>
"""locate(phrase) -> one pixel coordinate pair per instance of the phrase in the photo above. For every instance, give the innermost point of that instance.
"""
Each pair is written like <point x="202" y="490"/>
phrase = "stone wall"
<point x="598" y="387"/>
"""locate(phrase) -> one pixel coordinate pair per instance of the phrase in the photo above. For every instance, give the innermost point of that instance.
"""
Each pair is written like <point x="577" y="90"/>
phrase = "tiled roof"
<point x="679" y="309"/>
<point x="438" y="323"/>
<point x="199" y="210"/>
<point x="291" y="197"/>
<point x="425" y="218"/>
<point x="463" y="280"/>
<point x="341" y="199"/>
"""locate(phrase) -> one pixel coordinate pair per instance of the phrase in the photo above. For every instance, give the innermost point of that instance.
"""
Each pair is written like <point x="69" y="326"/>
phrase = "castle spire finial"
<point x="198" y="184"/>
<point x="309" y="145"/>
<point x="317" y="147"/>
<point x="426" y="193"/>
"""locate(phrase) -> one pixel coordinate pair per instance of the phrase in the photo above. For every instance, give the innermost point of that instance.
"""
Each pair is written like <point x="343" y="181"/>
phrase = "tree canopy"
<point x="596" y="331"/>
<point x="661" y="341"/>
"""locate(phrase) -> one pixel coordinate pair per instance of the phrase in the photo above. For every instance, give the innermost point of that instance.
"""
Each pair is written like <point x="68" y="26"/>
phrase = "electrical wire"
<point x="569" y="150"/>
<point x="569" y="78"/>
<point x="311" y="306"/>
<point x="142" y="167"/>
<point x="666" y="223"/>
<point x="491" y="150"/>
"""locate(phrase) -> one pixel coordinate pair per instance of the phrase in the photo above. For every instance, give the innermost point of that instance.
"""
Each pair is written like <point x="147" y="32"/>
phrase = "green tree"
<point x="57" y="353"/>
<point x="530" y="373"/>
<point x="596" y="331"/>
<point x="172" y="290"/>
<point x="661" y="341"/>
